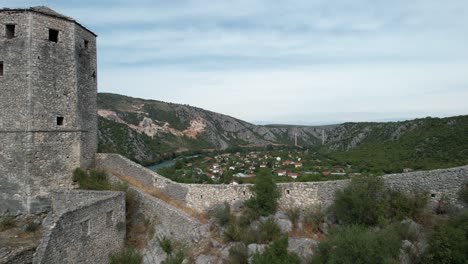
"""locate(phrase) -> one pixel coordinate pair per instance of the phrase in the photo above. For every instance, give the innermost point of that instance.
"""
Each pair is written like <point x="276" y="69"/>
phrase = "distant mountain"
<point x="148" y="131"/>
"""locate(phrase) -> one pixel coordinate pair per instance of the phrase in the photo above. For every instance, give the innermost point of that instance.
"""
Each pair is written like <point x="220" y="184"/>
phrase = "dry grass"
<point x="162" y="196"/>
<point x="307" y="231"/>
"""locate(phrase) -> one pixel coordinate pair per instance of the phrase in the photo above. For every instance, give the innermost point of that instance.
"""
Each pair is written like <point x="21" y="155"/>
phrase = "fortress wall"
<point x="121" y="166"/>
<point x="84" y="229"/>
<point x="202" y="197"/>
<point x="167" y="220"/>
<point x="439" y="183"/>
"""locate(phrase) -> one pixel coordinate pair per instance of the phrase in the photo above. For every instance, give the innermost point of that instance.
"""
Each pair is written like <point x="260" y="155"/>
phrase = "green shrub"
<point x="403" y="205"/>
<point x="232" y="232"/>
<point x="362" y="202"/>
<point x="248" y="216"/>
<point x="222" y="214"/>
<point x="6" y="223"/>
<point x="294" y="214"/>
<point x="359" y="244"/>
<point x="266" y="194"/>
<point x="166" y="244"/>
<point x="238" y="254"/>
<point x="127" y="256"/>
<point x="276" y="253"/>
<point x="313" y="216"/>
<point x="91" y="180"/>
<point x="265" y="231"/>
<point x="268" y="231"/>
<point x="366" y="201"/>
<point x="30" y="227"/>
<point x="449" y="242"/>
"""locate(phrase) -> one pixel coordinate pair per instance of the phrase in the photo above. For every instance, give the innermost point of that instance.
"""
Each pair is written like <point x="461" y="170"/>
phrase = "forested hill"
<point x="147" y="131"/>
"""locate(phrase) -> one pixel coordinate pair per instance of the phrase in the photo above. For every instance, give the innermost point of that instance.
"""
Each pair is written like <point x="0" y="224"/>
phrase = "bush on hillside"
<point x="266" y="194"/>
<point x="313" y="216"/>
<point x="276" y="253"/>
<point x="262" y="233"/>
<point x="364" y="202"/>
<point x="359" y="244"/>
<point x="367" y="201"/>
<point x="449" y="242"/>
<point x="222" y="214"/>
<point x="294" y="215"/>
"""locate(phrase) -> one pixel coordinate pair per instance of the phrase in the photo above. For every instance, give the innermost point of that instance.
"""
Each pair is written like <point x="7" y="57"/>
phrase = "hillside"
<point x="147" y="131"/>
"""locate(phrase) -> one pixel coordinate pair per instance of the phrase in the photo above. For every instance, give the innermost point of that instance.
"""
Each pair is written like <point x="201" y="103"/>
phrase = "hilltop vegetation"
<point x="149" y="131"/>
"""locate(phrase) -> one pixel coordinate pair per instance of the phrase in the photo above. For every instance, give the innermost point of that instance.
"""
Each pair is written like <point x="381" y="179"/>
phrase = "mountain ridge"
<point x="148" y="131"/>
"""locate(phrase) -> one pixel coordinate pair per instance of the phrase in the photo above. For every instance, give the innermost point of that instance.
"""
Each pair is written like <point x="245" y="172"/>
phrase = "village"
<point x="242" y="167"/>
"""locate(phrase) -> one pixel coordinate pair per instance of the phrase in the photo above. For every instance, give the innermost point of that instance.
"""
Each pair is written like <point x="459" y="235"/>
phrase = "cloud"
<point x="287" y="61"/>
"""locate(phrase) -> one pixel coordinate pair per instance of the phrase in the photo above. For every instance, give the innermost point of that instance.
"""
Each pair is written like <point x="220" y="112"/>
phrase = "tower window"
<point x="86" y="43"/>
<point x="10" y="31"/>
<point x="1" y="68"/>
<point x="53" y="35"/>
<point x="60" y="120"/>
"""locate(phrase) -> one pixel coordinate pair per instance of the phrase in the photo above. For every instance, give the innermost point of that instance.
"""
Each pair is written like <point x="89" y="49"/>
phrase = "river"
<point x="168" y="163"/>
<point x="163" y="164"/>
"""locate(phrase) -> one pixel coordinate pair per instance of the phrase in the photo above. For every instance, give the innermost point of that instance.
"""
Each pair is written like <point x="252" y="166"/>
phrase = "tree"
<point x="266" y="194"/>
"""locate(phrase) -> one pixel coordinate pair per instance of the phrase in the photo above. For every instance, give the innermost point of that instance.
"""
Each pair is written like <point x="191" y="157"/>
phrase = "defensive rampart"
<point x="200" y="197"/>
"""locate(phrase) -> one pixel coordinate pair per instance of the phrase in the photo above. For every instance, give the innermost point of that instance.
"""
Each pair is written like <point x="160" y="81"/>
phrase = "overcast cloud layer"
<point x="295" y="61"/>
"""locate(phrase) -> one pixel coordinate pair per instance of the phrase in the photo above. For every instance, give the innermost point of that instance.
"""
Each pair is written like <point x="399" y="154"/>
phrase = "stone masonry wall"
<point x="42" y="82"/>
<point x="83" y="228"/>
<point x="167" y="221"/>
<point x="202" y="197"/>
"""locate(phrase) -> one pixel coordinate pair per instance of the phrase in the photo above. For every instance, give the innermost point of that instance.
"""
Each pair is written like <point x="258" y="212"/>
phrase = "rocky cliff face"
<point x="147" y="130"/>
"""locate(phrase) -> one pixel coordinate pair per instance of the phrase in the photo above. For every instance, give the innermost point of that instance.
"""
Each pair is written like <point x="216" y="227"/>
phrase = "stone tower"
<point x="48" y="122"/>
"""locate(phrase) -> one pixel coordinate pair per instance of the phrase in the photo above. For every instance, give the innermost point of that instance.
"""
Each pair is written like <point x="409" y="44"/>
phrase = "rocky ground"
<point x="19" y="238"/>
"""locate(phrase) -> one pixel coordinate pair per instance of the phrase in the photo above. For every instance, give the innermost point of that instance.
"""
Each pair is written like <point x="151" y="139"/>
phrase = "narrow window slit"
<point x="9" y="31"/>
<point x="53" y="35"/>
<point x="109" y="218"/>
<point x="60" y="120"/>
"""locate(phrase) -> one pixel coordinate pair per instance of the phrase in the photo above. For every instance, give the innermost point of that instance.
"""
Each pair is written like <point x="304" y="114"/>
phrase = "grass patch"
<point x="166" y="244"/>
<point x="127" y="256"/>
<point x="91" y="179"/>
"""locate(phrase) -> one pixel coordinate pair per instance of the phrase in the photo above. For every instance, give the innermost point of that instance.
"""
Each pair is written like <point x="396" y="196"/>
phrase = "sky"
<point x="294" y="62"/>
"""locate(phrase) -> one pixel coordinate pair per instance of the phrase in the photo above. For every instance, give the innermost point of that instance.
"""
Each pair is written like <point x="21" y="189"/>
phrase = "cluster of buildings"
<point x="290" y="164"/>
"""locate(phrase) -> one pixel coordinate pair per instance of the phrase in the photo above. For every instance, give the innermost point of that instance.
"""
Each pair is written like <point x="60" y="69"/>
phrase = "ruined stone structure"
<point x="48" y="123"/>
<point x="83" y="227"/>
